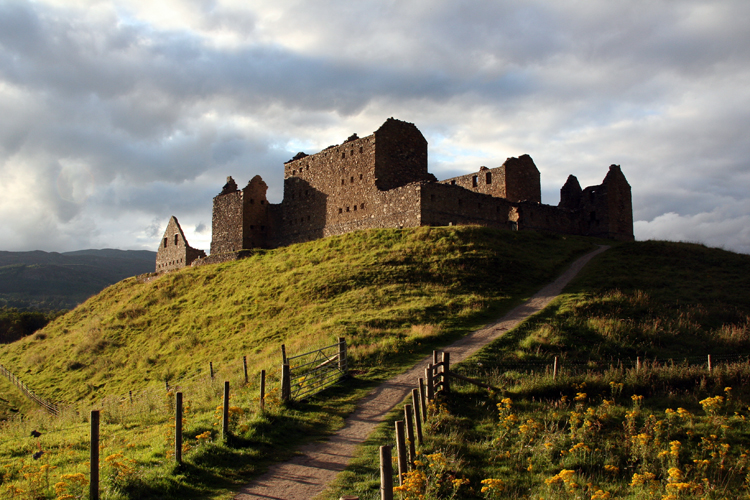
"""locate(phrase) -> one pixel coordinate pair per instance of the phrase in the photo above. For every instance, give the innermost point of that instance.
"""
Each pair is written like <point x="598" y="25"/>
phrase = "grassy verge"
<point x="394" y="295"/>
<point x="669" y="430"/>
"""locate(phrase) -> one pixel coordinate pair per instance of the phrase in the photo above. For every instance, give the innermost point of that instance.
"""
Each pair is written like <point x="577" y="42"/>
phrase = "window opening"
<point x="362" y="206"/>
<point x="352" y="180"/>
<point x="488" y="177"/>
<point x="355" y="208"/>
<point x="343" y="155"/>
<point x="474" y="180"/>
<point x="165" y="243"/>
<point x="341" y="210"/>
<point x="453" y="183"/>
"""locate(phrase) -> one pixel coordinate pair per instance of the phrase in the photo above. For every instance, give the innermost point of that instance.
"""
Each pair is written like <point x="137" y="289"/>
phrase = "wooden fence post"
<point x="211" y="368"/>
<point x="225" y="413"/>
<point x="286" y="382"/>
<point x="401" y="451"/>
<point x="178" y="429"/>
<point x="343" y="365"/>
<point x="710" y="365"/>
<point x="446" y="372"/>
<point x="244" y="365"/>
<point x="94" y="457"/>
<point x="422" y="400"/>
<point x="409" y="420"/>
<point x="283" y="354"/>
<point x="262" y="390"/>
<point x="430" y="384"/>
<point x="386" y="474"/>
<point x="435" y="357"/>
<point x="554" y="369"/>
<point x="417" y="414"/>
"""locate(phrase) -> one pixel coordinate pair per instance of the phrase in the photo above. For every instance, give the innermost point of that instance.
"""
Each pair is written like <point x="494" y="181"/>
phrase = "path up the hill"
<point x="308" y="474"/>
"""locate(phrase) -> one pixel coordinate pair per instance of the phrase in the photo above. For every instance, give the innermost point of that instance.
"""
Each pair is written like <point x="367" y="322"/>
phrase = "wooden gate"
<point x="313" y="371"/>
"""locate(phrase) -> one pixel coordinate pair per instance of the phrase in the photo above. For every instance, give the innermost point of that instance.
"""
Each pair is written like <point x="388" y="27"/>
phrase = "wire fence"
<point x="578" y="366"/>
<point x="47" y="405"/>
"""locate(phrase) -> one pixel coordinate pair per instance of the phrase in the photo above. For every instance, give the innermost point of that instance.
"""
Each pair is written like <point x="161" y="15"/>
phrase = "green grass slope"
<point x="390" y="293"/>
<point x="601" y="429"/>
<point x="651" y="299"/>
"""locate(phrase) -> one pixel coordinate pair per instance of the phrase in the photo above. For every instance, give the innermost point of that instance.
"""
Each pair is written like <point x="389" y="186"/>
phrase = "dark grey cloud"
<point x="115" y="115"/>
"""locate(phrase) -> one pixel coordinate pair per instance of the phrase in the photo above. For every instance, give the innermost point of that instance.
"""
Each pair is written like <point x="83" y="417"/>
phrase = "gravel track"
<point x="307" y="474"/>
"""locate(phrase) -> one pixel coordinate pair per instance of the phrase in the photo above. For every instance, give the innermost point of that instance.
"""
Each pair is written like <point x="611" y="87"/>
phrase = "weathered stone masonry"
<point x="382" y="181"/>
<point x="174" y="251"/>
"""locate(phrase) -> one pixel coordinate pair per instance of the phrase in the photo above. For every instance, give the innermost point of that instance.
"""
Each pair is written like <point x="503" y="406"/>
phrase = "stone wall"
<point x="400" y="155"/>
<point x="517" y="179"/>
<point x="447" y="204"/>
<point x="332" y="187"/>
<point x="174" y="251"/>
<point x="522" y="180"/>
<point x="606" y="209"/>
<point x="256" y="224"/>
<point x="227" y="220"/>
<point x="538" y="217"/>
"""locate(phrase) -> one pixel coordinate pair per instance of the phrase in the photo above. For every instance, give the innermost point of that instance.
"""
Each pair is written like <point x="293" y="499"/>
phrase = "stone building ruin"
<point x="382" y="181"/>
<point x="174" y="251"/>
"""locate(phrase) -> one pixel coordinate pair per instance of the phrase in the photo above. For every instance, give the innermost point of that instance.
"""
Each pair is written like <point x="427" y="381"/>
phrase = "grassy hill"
<point x="394" y="295"/>
<point x="51" y="280"/>
<point x="390" y="293"/>
<point x="603" y="428"/>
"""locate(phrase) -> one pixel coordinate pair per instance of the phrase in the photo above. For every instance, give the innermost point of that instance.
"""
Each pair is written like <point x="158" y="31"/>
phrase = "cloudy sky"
<point x="115" y="115"/>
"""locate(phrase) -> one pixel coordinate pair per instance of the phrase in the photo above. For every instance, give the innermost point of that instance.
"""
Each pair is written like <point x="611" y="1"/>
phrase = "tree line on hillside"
<point x="16" y="324"/>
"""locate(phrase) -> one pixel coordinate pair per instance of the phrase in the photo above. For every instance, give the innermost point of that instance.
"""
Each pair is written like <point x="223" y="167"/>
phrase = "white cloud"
<point x="725" y="227"/>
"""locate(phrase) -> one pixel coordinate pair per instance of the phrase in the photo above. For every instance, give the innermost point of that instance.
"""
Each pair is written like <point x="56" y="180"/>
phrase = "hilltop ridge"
<point x="389" y="292"/>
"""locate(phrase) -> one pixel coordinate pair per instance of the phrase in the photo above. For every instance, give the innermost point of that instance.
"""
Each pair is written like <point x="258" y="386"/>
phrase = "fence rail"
<point x="47" y="405"/>
<point x="310" y="372"/>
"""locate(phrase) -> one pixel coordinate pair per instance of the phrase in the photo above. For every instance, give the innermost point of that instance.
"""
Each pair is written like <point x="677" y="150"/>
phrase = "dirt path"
<point x="307" y="474"/>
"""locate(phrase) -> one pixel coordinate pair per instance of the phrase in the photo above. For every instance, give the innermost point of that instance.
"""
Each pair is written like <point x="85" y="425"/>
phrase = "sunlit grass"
<point x="603" y="428"/>
<point x="393" y="294"/>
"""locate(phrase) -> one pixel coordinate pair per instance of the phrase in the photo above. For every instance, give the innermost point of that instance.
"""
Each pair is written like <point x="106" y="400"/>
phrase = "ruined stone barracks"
<point x="381" y="181"/>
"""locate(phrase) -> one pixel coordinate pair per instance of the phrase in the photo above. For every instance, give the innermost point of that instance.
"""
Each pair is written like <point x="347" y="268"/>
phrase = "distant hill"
<point x="51" y="280"/>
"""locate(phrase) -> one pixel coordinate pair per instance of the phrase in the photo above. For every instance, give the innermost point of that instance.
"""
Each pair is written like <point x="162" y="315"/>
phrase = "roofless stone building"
<point x="382" y="181"/>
